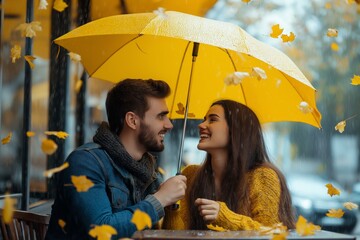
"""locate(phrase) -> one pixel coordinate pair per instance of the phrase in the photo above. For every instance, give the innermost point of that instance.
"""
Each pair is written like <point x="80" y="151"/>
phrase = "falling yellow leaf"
<point x="59" y="134"/>
<point x="78" y="85"/>
<point x="303" y="228"/>
<point x="160" y="12"/>
<point x="30" y="134"/>
<point x="258" y="73"/>
<point x="8" y="209"/>
<point x="62" y="224"/>
<point x="15" y="53"/>
<point x="355" y="80"/>
<point x="216" y="228"/>
<point x="29" y="29"/>
<point x="141" y="220"/>
<point x="246" y="1"/>
<point x="350" y="205"/>
<point x="74" y="57"/>
<point x="181" y="110"/>
<point x="335" y="213"/>
<point x="340" y="126"/>
<point x="305" y="107"/>
<point x="288" y="38"/>
<point x="332" y="32"/>
<point x="334" y="46"/>
<point x="161" y="170"/>
<point x="29" y="59"/>
<point x="50" y="172"/>
<point x="332" y="190"/>
<point x="103" y="232"/>
<point x="6" y="139"/>
<point x="81" y="183"/>
<point x="235" y="78"/>
<point x="48" y="146"/>
<point x="43" y="5"/>
<point x="60" y="5"/>
<point x="276" y="31"/>
<point x="328" y="5"/>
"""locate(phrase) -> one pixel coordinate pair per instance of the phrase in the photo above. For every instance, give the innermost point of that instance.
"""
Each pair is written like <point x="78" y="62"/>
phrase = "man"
<point x="119" y="165"/>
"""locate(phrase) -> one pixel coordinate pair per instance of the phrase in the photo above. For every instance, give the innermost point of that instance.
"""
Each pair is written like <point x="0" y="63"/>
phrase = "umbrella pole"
<point x="194" y="55"/>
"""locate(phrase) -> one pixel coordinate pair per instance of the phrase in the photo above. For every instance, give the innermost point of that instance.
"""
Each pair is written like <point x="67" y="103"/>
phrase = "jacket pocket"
<point x="118" y="196"/>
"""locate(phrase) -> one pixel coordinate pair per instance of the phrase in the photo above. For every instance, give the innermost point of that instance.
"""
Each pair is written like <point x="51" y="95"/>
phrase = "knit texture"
<point x="264" y="196"/>
<point x="143" y="170"/>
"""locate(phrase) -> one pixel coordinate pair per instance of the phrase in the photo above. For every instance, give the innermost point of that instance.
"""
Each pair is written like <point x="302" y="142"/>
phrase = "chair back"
<point x="25" y="226"/>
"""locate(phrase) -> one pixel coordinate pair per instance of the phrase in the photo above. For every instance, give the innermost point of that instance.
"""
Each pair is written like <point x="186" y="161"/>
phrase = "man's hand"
<point x="171" y="190"/>
<point x="208" y="209"/>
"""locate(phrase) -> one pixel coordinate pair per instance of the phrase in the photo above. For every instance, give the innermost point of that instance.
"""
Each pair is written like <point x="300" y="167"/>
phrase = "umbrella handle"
<point x="176" y="205"/>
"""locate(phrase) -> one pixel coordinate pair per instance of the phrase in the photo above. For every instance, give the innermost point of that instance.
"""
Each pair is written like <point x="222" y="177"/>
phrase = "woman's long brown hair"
<point x="246" y="152"/>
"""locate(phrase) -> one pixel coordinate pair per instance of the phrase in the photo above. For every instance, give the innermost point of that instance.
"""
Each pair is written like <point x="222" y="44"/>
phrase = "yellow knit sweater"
<point x="264" y="203"/>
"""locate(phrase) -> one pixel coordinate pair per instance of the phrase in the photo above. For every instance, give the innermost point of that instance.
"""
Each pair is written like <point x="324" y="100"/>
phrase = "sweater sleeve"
<point x="264" y="203"/>
<point x="180" y="219"/>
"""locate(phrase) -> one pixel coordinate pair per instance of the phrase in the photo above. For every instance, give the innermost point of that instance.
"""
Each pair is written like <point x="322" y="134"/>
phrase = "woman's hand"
<point x="208" y="209"/>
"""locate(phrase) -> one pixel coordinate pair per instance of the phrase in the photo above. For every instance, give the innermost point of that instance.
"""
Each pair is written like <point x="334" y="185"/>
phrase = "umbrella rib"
<point x="178" y="77"/>
<point x="138" y="36"/>
<point x="241" y="87"/>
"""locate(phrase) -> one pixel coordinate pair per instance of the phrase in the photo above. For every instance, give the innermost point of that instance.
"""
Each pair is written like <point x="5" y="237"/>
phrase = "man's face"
<point x="154" y="125"/>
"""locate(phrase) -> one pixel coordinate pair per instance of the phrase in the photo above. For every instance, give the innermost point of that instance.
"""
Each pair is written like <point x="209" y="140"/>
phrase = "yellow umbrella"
<point x="195" y="7"/>
<point x="160" y="46"/>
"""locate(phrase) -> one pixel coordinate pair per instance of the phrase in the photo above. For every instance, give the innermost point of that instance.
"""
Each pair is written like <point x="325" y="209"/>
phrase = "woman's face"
<point x="214" y="130"/>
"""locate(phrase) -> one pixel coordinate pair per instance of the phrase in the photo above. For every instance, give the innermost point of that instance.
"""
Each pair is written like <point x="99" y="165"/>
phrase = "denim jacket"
<point x="111" y="201"/>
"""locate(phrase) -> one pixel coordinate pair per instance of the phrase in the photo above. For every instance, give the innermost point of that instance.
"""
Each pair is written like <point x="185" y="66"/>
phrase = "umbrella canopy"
<point x="160" y="46"/>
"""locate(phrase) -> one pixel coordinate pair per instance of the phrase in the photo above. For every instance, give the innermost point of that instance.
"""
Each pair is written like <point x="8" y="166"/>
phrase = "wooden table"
<point x="253" y="235"/>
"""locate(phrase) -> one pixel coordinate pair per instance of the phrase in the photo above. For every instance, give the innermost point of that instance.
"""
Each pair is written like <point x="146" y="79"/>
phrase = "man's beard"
<point x="148" y="139"/>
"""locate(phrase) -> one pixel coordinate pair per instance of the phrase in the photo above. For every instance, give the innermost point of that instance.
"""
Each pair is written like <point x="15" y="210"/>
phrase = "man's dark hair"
<point x="131" y="95"/>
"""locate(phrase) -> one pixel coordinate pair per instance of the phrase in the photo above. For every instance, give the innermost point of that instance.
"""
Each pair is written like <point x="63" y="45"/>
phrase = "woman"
<point x="237" y="187"/>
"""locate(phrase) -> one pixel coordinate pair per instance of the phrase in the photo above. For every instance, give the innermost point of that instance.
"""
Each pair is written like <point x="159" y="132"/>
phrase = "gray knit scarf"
<point x="142" y="170"/>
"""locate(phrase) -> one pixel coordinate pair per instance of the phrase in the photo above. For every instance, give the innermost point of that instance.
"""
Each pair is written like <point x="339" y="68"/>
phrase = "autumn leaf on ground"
<point x="276" y="31"/>
<point x="141" y="220"/>
<point x="355" y="80"/>
<point x="350" y="205"/>
<point x="29" y="59"/>
<point x="81" y="183"/>
<point x="59" y="134"/>
<point x="48" y="146"/>
<point x="50" y="172"/>
<point x="15" y="53"/>
<point x="335" y="213"/>
<point x="332" y="190"/>
<point x="288" y="38"/>
<point x="60" y="5"/>
<point x="8" y="209"/>
<point x="30" y="134"/>
<point x="235" y="78"/>
<point x="305" y="107"/>
<point x="334" y="46"/>
<point x="303" y="228"/>
<point x="74" y="57"/>
<point x="6" y="139"/>
<point x="29" y="29"/>
<point x="332" y="32"/>
<point x="103" y="232"/>
<point x="258" y="73"/>
<point x="216" y="228"/>
<point x="43" y="5"/>
<point x="340" y="126"/>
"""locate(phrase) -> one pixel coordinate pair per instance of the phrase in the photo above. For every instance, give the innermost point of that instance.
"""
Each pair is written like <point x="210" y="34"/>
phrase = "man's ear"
<point x="131" y="119"/>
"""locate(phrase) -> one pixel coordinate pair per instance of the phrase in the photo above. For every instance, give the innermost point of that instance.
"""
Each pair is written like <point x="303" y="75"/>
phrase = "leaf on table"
<point x="81" y="183"/>
<point x="332" y="190"/>
<point x="276" y="31"/>
<point x="15" y="53"/>
<point x="340" y="126"/>
<point x="50" y="172"/>
<point x="48" y="146"/>
<point x="350" y="205"/>
<point x="305" y="228"/>
<point x="6" y="139"/>
<point x="141" y="220"/>
<point x="216" y="228"/>
<point x="333" y="213"/>
<point x="59" y="134"/>
<point x="103" y="232"/>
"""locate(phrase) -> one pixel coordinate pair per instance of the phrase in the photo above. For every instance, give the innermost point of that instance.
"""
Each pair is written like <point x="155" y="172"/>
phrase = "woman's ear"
<point x="131" y="120"/>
